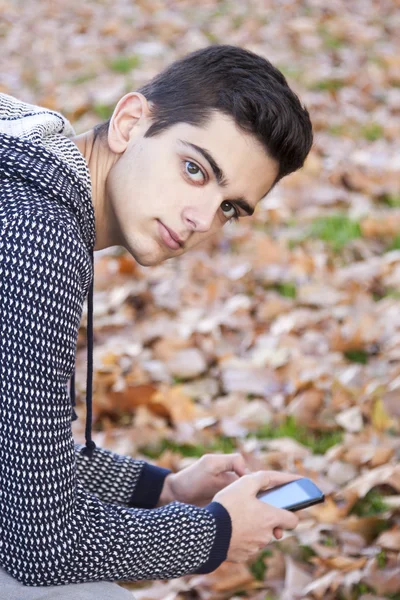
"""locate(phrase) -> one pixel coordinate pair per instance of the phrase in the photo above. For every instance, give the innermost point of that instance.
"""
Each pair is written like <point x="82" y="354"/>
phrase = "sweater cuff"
<point x="222" y="539"/>
<point x="149" y="486"/>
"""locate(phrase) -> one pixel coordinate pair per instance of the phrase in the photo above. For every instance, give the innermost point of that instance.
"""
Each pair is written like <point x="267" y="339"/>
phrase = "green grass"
<point x="338" y="230"/>
<point x="305" y="553"/>
<point x="328" y="85"/>
<point x="104" y="111"/>
<point x="222" y="444"/>
<point x="361" y="589"/>
<point x="318" y="441"/>
<point x="124" y="64"/>
<point x="286" y="289"/>
<point x="222" y="9"/>
<point x="372" y="131"/>
<point x="238" y="21"/>
<point x="82" y="78"/>
<point x="212" y="38"/>
<point x="338" y="130"/>
<point x="330" y="41"/>
<point x="372" y="504"/>
<point x="392" y="200"/>
<point x="329" y="541"/>
<point x="290" y="71"/>
<point x="395" y="245"/>
<point x="258" y="567"/>
<point x="358" y="590"/>
<point x="381" y="559"/>
<point x="357" y="356"/>
<point x="388" y="293"/>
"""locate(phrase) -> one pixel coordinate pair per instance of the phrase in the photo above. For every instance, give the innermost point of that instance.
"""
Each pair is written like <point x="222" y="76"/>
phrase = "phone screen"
<point x="285" y="495"/>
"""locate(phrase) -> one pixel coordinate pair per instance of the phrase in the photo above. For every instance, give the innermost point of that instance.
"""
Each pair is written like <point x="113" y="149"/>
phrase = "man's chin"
<point x="153" y="256"/>
<point x="150" y="260"/>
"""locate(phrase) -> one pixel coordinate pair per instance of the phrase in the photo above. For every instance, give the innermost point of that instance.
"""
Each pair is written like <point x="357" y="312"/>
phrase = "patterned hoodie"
<point x="69" y="513"/>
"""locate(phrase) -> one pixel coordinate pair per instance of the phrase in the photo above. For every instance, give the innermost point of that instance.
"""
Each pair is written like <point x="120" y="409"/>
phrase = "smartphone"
<point x="295" y="495"/>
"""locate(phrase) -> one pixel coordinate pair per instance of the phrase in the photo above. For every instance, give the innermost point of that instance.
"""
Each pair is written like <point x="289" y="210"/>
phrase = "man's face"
<point x="185" y="183"/>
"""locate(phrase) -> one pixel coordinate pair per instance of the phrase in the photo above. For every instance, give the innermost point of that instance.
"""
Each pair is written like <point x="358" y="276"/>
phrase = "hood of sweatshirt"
<point x="44" y="139"/>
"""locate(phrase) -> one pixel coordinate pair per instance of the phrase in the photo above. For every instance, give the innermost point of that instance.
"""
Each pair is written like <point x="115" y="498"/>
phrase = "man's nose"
<point x="199" y="218"/>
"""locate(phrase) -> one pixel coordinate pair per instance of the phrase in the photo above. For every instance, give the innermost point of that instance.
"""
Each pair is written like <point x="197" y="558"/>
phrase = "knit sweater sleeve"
<point x="120" y="479"/>
<point x="52" y="529"/>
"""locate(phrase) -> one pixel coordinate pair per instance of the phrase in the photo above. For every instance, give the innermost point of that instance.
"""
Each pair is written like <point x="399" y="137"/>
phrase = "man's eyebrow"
<point x="218" y="172"/>
<point x="220" y="176"/>
<point x="243" y="204"/>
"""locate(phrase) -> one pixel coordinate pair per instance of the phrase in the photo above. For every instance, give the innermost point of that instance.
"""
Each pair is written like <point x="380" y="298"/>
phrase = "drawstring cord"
<point x="72" y="395"/>
<point x="90" y="445"/>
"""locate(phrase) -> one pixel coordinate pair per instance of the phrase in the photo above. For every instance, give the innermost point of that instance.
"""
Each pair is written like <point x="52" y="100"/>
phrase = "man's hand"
<point x="254" y="523"/>
<point x="198" y="483"/>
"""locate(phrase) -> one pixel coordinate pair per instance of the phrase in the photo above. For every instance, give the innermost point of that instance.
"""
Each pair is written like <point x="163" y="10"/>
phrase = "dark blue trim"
<point x="222" y="540"/>
<point x="149" y="486"/>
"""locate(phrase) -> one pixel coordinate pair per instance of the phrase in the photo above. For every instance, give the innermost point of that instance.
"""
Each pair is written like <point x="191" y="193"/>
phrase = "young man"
<point x="199" y="145"/>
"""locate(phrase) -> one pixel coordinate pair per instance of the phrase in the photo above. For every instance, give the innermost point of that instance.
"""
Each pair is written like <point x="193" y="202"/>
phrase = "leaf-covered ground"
<point x="281" y="337"/>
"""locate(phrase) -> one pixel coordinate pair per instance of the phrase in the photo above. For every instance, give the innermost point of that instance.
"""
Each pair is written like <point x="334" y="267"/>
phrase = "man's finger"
<point x="274" y="478"/>
<point x="228" y="462"/>
<point x="236" y="463"/>
<point x="239" y="465"/>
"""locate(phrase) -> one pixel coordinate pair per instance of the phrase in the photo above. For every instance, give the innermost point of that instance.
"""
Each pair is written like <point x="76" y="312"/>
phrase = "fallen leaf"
<point x="390" y="539"/>
<point x="230" y="576"/>
<point x="350" y="419"/>
<point x="384" y="581"/>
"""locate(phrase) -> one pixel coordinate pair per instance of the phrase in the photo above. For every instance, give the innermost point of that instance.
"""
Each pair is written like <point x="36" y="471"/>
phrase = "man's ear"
<point x="130" y="118"/>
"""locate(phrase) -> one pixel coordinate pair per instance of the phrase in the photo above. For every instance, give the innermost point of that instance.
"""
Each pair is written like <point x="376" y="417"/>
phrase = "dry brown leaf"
<point x="288" y="447"/>
<point x="384" y="581"/>
<point x="342" y="563"/>
<point x="385" y="474"/>
<point x="391" y="403"/>
<point x="368" y="527"/>
<point x="319" y="588"/>
<point x="187" y="364"/>
<point x="327" y="512"/>
<point x="128" y="399"/>
<point x="383" y="225"/>
<point x="165" y="348"/>
<point x="380" y="419"/>
<point x="340" y="472"/>
<point x="350" y="419"/>
<point x="230" y="576"/>
<point x="296" y="578"/>
<point x="275" y="564"/>
<point x="306" y="406"/>
<point x="390" y="539"/>
<point x="172" y="401"/>
<point x="362" y="454"/>
<point x="250" y="380"/>
<point x="268" y="251"/>
<point x="321" y="295"/>
<point x="273" y="306"/>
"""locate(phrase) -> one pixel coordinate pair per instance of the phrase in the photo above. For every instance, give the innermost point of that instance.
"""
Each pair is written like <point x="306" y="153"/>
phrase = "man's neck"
<point x="99" y="161"/>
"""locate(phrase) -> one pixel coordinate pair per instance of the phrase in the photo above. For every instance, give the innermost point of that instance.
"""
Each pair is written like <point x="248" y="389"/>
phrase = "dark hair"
<point x="238" y="83"/>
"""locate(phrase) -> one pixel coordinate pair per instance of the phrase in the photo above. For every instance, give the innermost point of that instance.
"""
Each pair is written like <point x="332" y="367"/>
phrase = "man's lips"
<point x="169" y="237"/>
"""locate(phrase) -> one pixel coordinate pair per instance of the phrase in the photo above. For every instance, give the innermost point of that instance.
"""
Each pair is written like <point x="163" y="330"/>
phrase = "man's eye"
<point x="229" y="210"/>
<point x="194" y="171"/>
